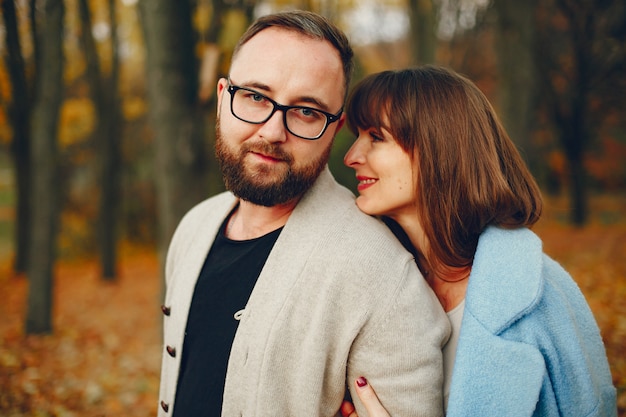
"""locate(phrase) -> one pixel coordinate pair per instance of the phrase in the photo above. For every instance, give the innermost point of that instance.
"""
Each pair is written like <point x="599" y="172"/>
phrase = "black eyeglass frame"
<point x="330" y="118"/>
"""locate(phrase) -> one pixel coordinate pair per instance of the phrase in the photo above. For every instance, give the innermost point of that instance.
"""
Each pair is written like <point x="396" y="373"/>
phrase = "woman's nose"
<point x="354" y="155"/>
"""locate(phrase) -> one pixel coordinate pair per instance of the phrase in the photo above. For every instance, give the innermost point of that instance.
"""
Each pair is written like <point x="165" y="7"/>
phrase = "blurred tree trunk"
<point x="32" y="17"/>
<point x="575" y="134"/>
<point x="423" y="15"/>
<point x="19" y="114"/>
<point x="106" y="136"/>
<point x="172" y="80"/>
<point x="214" y="66"/>
<point x="111" y="159"/>
<point x="581" y="56"/>
<point x="45" y="185"/>
<point x="516" y="86"/>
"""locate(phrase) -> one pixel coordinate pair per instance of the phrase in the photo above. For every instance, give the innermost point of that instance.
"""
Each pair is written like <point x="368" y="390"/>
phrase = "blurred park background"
<point x="106" y="134"/>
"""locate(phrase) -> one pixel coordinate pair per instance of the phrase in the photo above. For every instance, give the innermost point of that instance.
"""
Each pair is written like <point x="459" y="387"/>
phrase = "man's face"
<point x="264" y="163"/>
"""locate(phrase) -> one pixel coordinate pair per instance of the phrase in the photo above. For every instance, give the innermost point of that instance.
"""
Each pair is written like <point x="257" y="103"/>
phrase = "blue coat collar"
<point x="505" y="281"/>
<point x="504" y="284"/>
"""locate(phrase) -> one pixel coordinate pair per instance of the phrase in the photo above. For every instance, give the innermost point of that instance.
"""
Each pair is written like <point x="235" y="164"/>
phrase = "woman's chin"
<point x="366" y="208"/>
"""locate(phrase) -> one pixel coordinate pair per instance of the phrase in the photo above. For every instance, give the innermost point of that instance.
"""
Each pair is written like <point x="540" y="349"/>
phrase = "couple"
<point x="281" y="292"/>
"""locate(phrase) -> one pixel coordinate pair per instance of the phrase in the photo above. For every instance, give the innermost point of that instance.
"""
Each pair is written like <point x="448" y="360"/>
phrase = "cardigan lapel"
<point x="314" y="212"/>
<point x="191" y="257"/>
<point x="282" y="271"/>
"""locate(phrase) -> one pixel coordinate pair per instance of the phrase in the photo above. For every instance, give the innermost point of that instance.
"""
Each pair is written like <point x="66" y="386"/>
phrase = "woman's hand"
<point x="368" y="398"/>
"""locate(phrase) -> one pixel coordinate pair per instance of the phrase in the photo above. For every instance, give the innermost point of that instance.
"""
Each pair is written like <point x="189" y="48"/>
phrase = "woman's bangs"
<point x="366" y="107"/>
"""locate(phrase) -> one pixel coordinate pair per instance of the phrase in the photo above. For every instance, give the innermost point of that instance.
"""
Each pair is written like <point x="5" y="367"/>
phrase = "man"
<point x="280" y="291"/>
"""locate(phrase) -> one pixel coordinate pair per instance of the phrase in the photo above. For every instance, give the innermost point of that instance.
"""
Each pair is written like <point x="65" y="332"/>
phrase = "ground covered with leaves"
<point x="103" y="357"/>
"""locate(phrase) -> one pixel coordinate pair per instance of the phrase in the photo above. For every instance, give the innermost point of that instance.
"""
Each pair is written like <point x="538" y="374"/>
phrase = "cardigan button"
<point x="171" y="351"/>
<point x="166" y="310"/>
<point x="165" y="406"/>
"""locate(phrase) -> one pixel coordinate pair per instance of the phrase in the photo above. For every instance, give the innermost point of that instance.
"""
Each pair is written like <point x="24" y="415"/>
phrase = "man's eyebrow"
<point x="265" y="89"/>
<point x="256" y="86"/>
<point x="315" y="101"/>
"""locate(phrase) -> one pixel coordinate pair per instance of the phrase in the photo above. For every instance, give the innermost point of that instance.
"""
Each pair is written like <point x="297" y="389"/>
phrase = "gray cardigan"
<point x="337" y="298"/>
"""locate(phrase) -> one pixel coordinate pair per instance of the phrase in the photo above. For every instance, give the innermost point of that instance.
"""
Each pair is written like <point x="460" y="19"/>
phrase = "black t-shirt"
<point x="226" y="280"/>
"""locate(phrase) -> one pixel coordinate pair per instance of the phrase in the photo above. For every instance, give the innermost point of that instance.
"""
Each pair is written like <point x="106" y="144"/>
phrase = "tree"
<point x="45" y="185"/>
<point x="423" y="14"/>
<point x="514" y="40"/>
<point x="110" y="156"/>
<point x="581" y="59"/>
<point x="180" y="166"/>
<point x="19" y="114"/>
<point x="104" y="91"/>
<point x="227" y="20"/>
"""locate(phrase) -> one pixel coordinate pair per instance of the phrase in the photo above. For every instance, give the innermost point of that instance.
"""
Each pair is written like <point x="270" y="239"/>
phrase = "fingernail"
<point x="361" y="381"/>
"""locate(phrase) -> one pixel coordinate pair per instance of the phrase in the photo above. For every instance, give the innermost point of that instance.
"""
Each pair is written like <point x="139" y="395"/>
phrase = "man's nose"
<point x="274" y="129"/>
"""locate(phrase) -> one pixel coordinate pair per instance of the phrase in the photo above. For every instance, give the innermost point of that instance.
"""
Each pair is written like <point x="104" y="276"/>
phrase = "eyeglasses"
<point x="253" y="107"/>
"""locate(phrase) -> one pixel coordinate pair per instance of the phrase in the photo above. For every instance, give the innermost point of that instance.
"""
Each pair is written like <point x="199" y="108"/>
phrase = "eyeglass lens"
<point x="254" y="107"/>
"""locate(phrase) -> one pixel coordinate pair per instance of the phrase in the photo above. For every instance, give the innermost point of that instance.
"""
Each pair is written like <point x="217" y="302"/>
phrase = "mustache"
<point x="268" y="149"/>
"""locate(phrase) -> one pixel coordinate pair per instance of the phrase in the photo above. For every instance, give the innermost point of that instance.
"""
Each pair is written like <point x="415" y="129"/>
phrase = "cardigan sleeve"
<point x="403" y="358"/>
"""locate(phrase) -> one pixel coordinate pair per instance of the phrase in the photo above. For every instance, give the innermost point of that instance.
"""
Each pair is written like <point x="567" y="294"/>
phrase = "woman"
<point x="433" y="159"/>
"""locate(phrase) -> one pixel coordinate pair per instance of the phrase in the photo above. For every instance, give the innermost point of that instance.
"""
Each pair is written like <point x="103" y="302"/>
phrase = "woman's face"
<point x="385" y="174"/>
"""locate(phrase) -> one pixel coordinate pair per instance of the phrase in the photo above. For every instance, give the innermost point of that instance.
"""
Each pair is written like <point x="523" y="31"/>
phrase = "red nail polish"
<point x="361" y="382"/>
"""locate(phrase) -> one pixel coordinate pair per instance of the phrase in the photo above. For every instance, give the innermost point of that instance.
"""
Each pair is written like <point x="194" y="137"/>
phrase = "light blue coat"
<point x="529" y="345"/>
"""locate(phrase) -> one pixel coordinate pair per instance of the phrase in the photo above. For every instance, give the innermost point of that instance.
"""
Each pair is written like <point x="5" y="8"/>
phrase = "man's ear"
<point x="340" y="122"/>
<point x="222" y="84"/>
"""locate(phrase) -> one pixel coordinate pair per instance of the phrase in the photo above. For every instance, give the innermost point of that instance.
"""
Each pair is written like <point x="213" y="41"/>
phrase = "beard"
<point x="266" y="185"/>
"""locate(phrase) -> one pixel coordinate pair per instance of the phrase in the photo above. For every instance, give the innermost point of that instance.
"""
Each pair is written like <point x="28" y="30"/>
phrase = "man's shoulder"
<point x="207" y="214"/>
<point x="223" y="201"/>
<point x="330" y="210"/>
<point x="365" y="238"/>
<point x="225" y="198"/>
<point x="331" y="201"/>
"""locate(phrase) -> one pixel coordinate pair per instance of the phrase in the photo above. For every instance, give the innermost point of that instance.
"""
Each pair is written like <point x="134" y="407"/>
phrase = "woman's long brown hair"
<point x="469" y="172"/>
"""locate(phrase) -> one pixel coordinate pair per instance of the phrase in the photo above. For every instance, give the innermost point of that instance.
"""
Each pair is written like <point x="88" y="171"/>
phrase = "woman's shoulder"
<point x="506" y="278"/>
<point x="515" y="286"/>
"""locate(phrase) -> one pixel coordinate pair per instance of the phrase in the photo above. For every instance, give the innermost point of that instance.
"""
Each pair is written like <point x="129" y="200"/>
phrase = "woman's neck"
<point x="451" y="289"/>
<point x="449" y="283"/>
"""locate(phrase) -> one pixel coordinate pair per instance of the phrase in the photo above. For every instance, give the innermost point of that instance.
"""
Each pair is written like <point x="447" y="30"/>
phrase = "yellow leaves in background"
<point x="6" y="132"/>
<point x="208" y="72"/>
<point x="133" y="108"/>
<point x="77" y="235"/>
<point x="607" y="164"/>
<point x="77" y="121"/>
<point x="5" y="84"/>
<point x="235" y="23"/>
<point x="202" y="17"/>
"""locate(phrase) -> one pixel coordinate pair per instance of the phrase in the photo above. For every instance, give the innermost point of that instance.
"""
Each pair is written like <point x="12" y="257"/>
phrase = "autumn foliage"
<point x="104" y="356"/>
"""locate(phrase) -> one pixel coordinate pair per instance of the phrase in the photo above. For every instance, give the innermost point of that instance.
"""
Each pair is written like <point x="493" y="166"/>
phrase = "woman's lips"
<point x="365" y="182"/>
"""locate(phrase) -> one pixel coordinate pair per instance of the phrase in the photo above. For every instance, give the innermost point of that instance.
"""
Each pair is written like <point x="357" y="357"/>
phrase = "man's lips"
<point x="266" y="157"/>
<point x="267" y="153"/>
